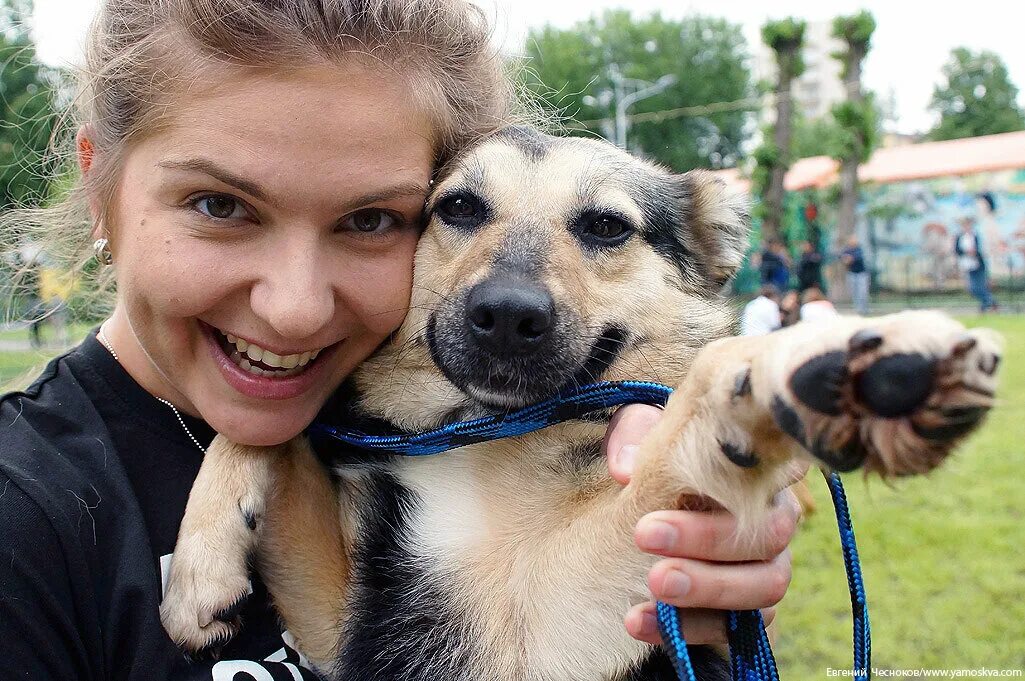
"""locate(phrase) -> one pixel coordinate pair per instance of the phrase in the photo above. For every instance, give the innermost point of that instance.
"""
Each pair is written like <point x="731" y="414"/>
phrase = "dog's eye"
<point x="607" y="228"/>
<point x="462" y="210"/>
<point x="602" y="229"/>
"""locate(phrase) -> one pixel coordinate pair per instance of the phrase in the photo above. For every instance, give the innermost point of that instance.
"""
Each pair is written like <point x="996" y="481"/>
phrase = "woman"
<point x="254" y="170"/>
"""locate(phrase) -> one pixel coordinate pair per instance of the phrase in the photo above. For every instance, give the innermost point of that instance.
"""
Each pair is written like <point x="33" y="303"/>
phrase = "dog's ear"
<point x="717" y="223"/>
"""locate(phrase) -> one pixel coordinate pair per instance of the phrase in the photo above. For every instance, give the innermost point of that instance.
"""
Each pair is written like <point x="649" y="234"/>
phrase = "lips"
<point x="268" y="382"/>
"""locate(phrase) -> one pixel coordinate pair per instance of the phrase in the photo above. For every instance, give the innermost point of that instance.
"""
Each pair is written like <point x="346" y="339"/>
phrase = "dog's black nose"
<point x="509" y="316"/>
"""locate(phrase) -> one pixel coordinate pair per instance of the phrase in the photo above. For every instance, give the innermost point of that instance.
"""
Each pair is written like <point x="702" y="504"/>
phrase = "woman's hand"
<point x="703" y="569"/>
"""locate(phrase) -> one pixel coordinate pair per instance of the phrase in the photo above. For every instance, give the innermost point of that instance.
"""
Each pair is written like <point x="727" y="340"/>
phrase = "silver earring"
<point x="101" y="250"/>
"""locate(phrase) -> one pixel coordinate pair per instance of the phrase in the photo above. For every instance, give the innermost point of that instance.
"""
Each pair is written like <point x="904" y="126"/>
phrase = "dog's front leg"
<point x="209" y="575"/>
<point x="891" y="394"/>
<point x="302" y="554"/>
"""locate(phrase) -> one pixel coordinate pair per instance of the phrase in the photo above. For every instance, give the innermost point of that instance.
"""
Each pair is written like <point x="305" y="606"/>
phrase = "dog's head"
<point x="549" y="262"/>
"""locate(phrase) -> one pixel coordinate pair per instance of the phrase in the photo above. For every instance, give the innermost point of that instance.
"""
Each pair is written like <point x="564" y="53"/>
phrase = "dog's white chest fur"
<point x="489" y="524"/>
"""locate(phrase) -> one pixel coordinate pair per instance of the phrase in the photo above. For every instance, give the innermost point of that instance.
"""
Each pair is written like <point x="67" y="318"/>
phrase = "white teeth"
<point x="246" y="354"/>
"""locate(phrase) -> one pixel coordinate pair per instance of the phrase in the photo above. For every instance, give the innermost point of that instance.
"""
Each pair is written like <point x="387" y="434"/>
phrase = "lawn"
<point x="943" y="556"/>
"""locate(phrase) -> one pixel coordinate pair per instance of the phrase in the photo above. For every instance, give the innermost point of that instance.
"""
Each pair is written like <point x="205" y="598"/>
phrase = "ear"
<point x="86" y="154"/>
<point x="717" y="223"/>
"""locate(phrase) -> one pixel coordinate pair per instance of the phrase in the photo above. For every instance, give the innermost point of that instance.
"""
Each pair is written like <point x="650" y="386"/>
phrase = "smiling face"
<point x="264" y="241"/>
<point x="550" y="262"/>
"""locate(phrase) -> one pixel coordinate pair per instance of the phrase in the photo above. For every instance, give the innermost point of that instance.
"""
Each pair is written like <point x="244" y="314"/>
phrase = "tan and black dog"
<point x="547" y="263"/>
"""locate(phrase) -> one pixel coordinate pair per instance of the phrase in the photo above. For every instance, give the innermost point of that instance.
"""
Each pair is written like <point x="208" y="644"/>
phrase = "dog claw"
<point x="864" y="341"/>
<point x="742" y="383"/>
<point x="965" y="344"/>
<point x="988" y="364"/>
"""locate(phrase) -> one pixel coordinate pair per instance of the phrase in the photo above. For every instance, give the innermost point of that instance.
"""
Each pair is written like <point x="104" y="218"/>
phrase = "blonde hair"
<point x="139" y="50"/>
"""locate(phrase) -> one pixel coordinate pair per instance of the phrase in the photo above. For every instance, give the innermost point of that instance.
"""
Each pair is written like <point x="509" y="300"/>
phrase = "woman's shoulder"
<point x="55" y="447"/>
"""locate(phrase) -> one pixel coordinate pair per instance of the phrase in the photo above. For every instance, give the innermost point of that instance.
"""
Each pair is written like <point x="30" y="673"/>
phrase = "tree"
<point x="814" y="136"/>
<point x="26" y="111"/>
<point x="786" y="38"/>
<point x="571" y="71"/>
<point x="978" y="97"/>
<point x="856" y="117"/>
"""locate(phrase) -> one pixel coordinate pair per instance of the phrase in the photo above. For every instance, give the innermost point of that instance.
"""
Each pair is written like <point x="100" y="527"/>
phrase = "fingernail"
<point x="675" y="585"/>
<point x="655" y="535"/>
<point x="648" y="624"/>
<point x="625" y="458"/>
<point x="641" y="622"/>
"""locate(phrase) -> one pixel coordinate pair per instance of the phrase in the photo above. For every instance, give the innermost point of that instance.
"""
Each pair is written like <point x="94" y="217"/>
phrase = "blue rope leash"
<point x="751" y="656"/>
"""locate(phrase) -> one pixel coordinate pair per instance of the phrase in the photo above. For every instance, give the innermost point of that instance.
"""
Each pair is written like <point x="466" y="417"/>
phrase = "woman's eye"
<point x="371" y="220"/>
<point x="221" y="207"/>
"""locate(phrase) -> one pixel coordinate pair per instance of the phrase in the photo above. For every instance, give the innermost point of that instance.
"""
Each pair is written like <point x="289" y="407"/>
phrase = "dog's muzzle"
<point x="508" y="316"/>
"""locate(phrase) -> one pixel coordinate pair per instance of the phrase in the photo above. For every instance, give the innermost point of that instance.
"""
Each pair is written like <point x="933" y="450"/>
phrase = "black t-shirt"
<point x="94" y="477"/>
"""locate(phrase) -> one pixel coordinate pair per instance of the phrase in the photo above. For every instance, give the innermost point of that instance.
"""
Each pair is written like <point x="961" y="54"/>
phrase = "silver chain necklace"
<point x="102" y="337"/>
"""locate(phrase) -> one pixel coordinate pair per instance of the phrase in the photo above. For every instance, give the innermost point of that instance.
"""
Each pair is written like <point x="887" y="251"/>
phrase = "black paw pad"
<point x="842" y="459"/>
<point x="816" y="383"/>
<point x="896" y="385"/>
<point x="738" y="456"/>
<point x="788" y="420"/>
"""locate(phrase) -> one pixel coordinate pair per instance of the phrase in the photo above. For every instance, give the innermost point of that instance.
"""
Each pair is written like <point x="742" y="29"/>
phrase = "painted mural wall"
<point x="911" y="226"/>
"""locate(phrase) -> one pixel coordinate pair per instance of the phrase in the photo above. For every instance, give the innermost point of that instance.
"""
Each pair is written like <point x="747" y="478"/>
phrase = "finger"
<point x="700" y="627"/>
<point x="711" y="535"/>
<point x="729" y="586"/>
<point x="627" y="428"/>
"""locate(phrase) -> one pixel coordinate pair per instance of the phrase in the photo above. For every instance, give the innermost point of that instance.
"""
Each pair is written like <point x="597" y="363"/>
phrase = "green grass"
<point x="943" y="558"/>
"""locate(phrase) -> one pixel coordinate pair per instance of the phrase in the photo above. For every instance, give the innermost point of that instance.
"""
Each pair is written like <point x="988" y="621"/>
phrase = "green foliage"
<point x="857" y="129"/>
<point x="786" y="38"/>
<point x="856" y="29"/>
<point x="26" y="112"/>
<point x="815" y="137"/>
<point x="977" y="99"/>
<point x="707" y="56"/>
<point x="857" y="119"/>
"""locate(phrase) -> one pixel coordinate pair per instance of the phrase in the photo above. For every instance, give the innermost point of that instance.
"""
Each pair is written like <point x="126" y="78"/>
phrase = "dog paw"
<point x="894" y="394"/>
<point x="208" y="584"/>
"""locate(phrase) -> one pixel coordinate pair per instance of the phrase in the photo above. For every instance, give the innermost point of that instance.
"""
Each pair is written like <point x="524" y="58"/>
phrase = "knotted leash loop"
<point x="750" y="652"/>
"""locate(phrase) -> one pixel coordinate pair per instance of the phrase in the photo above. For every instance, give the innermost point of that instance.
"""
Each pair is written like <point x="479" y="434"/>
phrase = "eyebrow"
<point x="218" y="173"/>
<point x="402" y="189"/>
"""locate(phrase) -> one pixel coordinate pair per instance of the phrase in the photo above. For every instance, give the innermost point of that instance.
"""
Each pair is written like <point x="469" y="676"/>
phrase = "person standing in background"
<point x="968" y="249"/>
<point x="761" y="315"/>
<point x="809" y="267"/>
<point x="853" y="259"/>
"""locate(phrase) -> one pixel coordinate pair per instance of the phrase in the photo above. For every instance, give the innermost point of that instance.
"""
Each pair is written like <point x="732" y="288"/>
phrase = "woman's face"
<point x="264" y="242"/>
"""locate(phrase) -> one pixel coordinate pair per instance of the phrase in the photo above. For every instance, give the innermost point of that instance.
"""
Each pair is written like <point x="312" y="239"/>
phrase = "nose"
<point x="293" y="294"/>
<point x="509" y="316"/>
